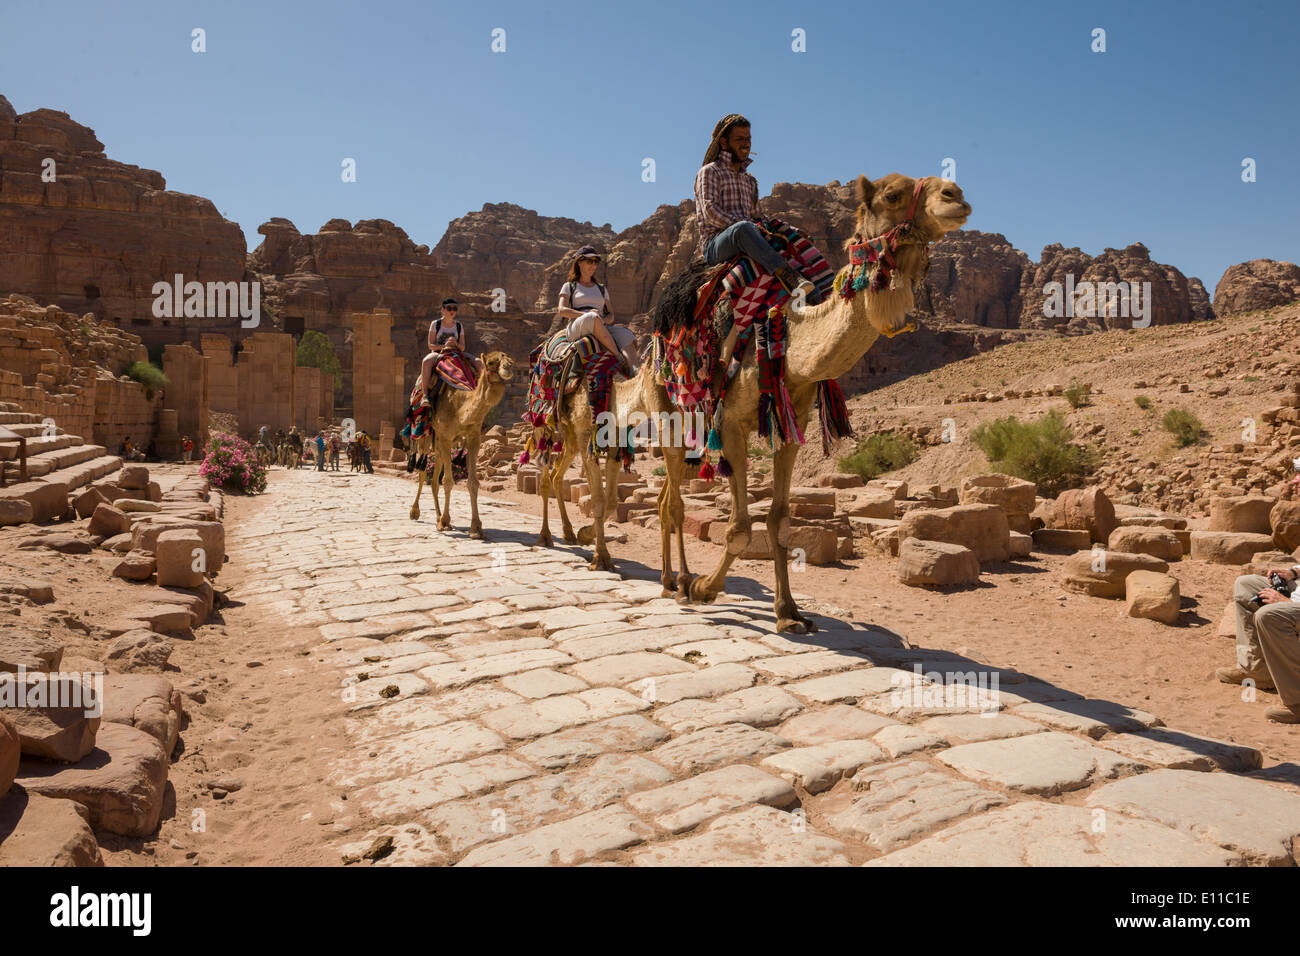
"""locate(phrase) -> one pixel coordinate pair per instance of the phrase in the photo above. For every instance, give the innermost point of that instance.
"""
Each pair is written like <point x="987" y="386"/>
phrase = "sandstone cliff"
<point x="1257" y="284"/>
<point x="99" y="233"/>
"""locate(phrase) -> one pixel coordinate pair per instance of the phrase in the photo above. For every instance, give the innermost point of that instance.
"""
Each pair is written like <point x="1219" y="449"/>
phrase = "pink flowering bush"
<point x="230" y="464"/>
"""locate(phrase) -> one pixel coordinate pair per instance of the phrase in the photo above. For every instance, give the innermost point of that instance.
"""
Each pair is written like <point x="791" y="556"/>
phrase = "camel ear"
<point x="866" y="189"/>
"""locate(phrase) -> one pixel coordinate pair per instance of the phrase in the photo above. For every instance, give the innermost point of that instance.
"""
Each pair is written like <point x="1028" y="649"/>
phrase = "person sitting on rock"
<point x="726" y="205"/>
<point x="1268" y="640"/>
<point x="585" y="302"/>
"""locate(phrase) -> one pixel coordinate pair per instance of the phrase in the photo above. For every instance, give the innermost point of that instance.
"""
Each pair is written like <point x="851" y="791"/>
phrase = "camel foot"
<point x="796" y="623"/>
<point x="601" y="562"/>
<point x="415" y="513"/>
<point x="668" y="593"/>
<point x="570" y="537"/>
<point x="476" y="532"/>
<point x="699" y="593"/>
<point x="444" y="524"/>
<point x="585" y="537"/>
<point x="684" y="581"/>
<point x="545" y="541"/>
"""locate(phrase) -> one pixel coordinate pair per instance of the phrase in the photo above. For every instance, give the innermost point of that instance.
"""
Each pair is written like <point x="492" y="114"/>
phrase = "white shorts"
<point x="583" y="325"/>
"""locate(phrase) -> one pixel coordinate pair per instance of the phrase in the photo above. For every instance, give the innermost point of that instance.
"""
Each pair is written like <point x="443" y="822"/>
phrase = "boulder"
<point x="1284" y="520"/>
<point x="1061" y="539"/>
<point x="1085" y="509"/>
<point x="837" y="480"/>
<point x="31" y="650"/>
<point x="133" y="478"/>
<point x="155" y="491"/>
<point x="145" y="702"/>
<point x="60" y="541"/>
<point x="1172" y="522"/>
<point x="11" y="750"/>
<point x="1245" y="513"/>
<point x="895" y="486"/>
<point x="135" y="566"/>
<point x="1102" y="573"/>
<point x="1012" y="495"/>
<point x="1022" y="545"/>
<point x="86" y="502"/>
<point x="1228" y="547"/>
<point x="139" y="650"/>
<point x="144" y="536"/>
<point x="936" y="564"/>
<point x="1153" y="595"/>
<point x="1158" y="542"/>
<point x="15" y="511"/>
<point x="982" y="528"/>
<point x="867" y="503"/>
<point x="108" y="521"/>
<point x="121" y="782"/>
<point x="818" y="545"/>
<point x="179" y="554"/>
<point x="38" y="831"/>
<point x="50" y="713"/>
<point x="137" y="506"/>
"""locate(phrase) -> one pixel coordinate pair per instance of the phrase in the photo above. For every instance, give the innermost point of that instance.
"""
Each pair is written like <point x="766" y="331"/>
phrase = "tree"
<point x="315" y="351"/>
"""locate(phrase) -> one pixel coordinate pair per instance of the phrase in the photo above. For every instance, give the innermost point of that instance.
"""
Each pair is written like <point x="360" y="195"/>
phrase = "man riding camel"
<point x="726" y="205"/>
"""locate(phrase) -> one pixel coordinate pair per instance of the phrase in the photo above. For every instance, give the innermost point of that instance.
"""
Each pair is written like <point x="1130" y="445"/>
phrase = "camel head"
<point x="500" y="365"/>
<point x="884" y="203"/>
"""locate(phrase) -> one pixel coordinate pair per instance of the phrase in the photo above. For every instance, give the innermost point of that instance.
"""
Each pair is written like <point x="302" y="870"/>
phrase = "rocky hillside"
<point x="1257" y="284"/>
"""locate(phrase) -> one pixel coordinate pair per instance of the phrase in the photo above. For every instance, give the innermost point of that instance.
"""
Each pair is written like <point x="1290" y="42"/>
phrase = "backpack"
<point x="604" y="306"/>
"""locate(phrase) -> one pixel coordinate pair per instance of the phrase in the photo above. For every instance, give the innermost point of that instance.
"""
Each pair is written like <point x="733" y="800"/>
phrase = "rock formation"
<point x="1257" y="284"/>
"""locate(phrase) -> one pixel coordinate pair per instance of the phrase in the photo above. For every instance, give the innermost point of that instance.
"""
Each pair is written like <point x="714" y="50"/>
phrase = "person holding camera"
<point x="1268" y="639"/>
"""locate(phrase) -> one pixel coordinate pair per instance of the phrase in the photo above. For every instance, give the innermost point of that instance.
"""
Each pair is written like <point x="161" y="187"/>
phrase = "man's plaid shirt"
<point x="723" y="196"/>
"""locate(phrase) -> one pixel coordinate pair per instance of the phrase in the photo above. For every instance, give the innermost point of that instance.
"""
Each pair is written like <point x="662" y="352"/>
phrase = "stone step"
<point x="52" y="461"/>
<point x="11" y="418"/>
<point x="31" y="430"/>
<point x="38" y="444"/>
<point x="48" y="494"/>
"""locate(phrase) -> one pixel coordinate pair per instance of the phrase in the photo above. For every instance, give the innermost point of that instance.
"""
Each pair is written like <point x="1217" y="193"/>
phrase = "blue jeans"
<point x="743" y="238"/>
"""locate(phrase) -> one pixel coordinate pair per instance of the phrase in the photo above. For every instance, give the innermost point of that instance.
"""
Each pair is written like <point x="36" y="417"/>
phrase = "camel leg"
<point x="561" y="469"/>
<point x="415" y="508"/>
<point x="600" y="560"/>
<point x="471" y="482"/>
<point x="707" y="588"/>
<point x="788" y="617"/>
<point x="544" y="479"/>
<point x="672" y="514"/>
<point x="444" y="466"/>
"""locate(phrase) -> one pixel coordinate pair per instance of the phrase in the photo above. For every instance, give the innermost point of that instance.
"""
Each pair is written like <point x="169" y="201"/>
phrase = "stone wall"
<point x="266" y="381"/>
<point x="187" y="395"/>
<point x="122" y="410"/>
<point x="223" y="375"/>
<point x="379" y="383"/>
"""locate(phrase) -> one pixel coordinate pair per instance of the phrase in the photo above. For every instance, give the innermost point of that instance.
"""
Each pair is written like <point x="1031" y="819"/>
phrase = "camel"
<point x="460" y="415"/>
<point x="575" y="428"/>
<point x="823" y="342"/>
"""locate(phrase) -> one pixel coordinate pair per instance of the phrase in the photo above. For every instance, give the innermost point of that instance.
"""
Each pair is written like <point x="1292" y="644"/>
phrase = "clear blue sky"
<point x="1052" y="142"/>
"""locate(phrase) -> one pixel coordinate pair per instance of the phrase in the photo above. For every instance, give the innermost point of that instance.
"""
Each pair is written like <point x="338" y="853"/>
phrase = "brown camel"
<point x="823" y="342"/>
<point x="460" y="415"/>
<point x="575" y="428"/>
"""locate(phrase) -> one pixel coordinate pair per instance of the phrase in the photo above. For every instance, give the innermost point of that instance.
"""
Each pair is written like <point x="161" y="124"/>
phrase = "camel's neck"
<point x="827" y="340"/>
<point x="628" y="395"/>
<point x="485" y="395"/>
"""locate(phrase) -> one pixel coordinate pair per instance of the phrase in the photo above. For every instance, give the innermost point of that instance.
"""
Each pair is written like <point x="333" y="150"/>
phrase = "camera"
<point x="1276" y="582"/>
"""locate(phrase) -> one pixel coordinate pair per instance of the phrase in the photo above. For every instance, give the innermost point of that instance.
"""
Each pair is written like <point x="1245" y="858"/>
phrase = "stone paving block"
<point x="464" y="673"/>
<point x="899" y="740"/>
<point x="756" y="836"/>
<point x="820" y="767"/>
<point x="413" y="845"/>
<point x="853" y="685"/>
<point x="717" y="746"/>
<point x="403" y="664"/>
<point x="756" y="706"/>
<point x="1257" y="820"/>
<point x="798" y="666"/>
<point x="545" y="716"/>
<point x="892" y="803"/>
<point x="523" y="806"/>
<point x="351" y="652"/>
<point x="366" y="694"/>
<point x="539" y="600"/>
<point x="1047" y="763"/>
<point x="406" y="754"/>
<point x="377" y="627"/>
<point x="330" y="596"/>
<point x="1095" y="718"/>
<point x="922" y="701"/>
<point x="542" y="683"/>
<point x="397" y="799"/>
<point x="1036" y="833"/>
<point x="463" y="647"/>
<point x="482" y="611"/>
<point x="639" y="639"/>
<point x="566" y="747"/>
<point x="1179" y="750"/>
<point x="972" y="728"/>
<point x="706" y="682"/>
<point x="726" y="650"/>
<point x="416" y="713"/>
<point x="688" y="803"/>
<point x="629" y="669"/>
<point x="570" y="841"/>
<point x="828" y="724"/>
<point x="553" y="620"/>
<point x="421" y="602"/>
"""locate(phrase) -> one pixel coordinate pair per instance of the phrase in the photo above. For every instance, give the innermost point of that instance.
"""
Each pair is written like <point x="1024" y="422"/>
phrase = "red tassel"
<point x="706" y="471"/>
<point x="523" y="459"/>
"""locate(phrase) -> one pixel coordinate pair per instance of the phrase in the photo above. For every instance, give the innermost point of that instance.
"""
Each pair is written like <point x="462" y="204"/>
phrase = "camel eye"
<point x="892" y="198"/>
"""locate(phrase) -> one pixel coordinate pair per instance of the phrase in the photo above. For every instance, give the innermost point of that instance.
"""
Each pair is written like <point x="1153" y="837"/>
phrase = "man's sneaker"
<point x="1284" y="714"/>
<point x="1235" y="675"/>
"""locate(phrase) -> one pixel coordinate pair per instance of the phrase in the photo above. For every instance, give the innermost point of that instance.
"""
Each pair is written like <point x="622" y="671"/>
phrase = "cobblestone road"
<point x="506" y="706"/>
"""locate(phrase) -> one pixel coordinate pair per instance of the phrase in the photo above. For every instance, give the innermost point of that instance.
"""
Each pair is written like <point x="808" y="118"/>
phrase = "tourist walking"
<point x="334" y="452"/>
<point x="188" y="447"/>
<point x="365" y="453"/>
<point x="320" y="451"/>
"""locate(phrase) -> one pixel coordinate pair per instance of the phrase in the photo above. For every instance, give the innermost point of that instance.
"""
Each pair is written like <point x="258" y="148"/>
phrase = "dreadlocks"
<point x="720" y="131"/>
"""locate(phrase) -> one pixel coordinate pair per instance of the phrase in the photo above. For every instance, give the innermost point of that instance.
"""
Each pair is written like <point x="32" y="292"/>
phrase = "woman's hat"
<point x="449" y="301"/>
<point x="587" y="252"/>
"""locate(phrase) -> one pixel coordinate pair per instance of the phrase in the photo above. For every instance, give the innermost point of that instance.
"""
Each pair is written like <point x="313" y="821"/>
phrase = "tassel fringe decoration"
<point x="724" y="468"/>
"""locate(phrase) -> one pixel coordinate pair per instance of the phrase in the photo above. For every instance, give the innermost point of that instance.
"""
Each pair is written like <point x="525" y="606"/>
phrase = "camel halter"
<point x="872" y="266"/>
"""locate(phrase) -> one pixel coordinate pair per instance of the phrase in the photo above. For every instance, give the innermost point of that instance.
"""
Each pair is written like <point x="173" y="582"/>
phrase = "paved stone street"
<point x="506" y="706"/>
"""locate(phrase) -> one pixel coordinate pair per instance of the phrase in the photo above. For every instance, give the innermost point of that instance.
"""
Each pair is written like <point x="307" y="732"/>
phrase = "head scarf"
<point x="719" y="134"/>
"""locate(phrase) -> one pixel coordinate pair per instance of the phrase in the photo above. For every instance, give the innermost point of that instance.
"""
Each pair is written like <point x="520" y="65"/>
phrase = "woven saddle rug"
<point x="455" y="370"/>
<point x="738" y="295"/>
<point x="553" y="364"/>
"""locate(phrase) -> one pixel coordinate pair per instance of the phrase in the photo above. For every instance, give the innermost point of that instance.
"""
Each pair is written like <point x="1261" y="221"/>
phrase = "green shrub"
<point x="148" y="375"/>
<point x="1142" y="402"/>
<point x="1183" y="425"/>
<point x="1041" y="451"/>
<point x="660" y="471"/>
<point x="316" y="351"/>
<point x="1077" y="395"/>
<point x="882" y="452"/>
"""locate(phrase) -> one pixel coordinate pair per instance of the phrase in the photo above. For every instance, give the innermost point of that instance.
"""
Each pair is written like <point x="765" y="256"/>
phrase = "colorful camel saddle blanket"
<point x="553" y="364"/>
<point x="741" y="299"/>
<point x="454" y="370"/>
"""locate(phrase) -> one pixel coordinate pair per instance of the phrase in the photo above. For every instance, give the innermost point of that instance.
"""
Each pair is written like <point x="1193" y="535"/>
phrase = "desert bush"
<point x="1142" y="402"/>
<point x="659" y="471"/>
<point x="881" y="453"/>
<point x="1076" y="394"/>
<point x="1183" y="425"/>
<point x="230" y="464"/>
<point x="149" y="375"/>
<point x="1041" y="451"/>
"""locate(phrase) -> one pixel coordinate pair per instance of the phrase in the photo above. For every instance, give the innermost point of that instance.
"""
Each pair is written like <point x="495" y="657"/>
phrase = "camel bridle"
<point x="873" y="262"/>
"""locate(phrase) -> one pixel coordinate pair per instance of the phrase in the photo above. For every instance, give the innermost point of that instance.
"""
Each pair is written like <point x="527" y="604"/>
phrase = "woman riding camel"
<point x="446" y="334"/>
<point x="586" y="302"/>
